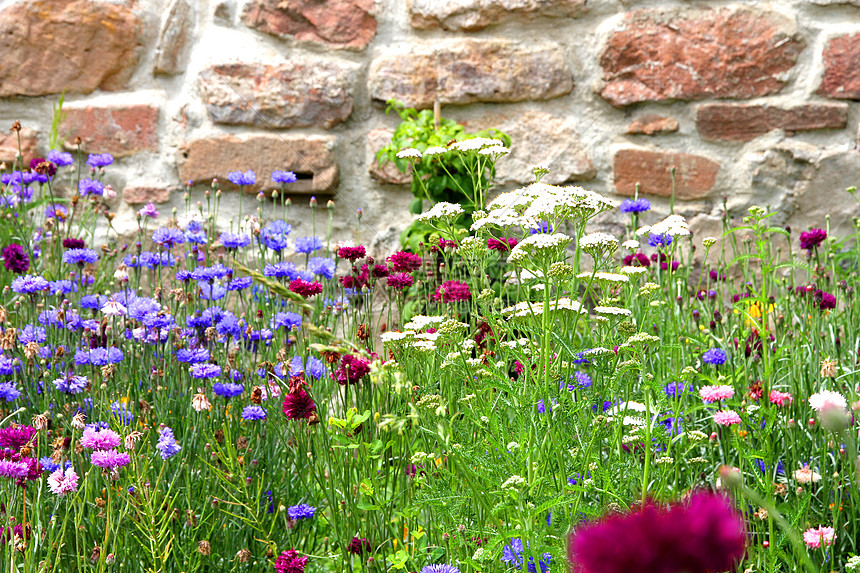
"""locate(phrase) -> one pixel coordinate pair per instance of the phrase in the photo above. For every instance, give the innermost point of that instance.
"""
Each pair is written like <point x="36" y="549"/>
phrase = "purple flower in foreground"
<point x="301" y="511"/>
<point x="440" y="568"/>
<point x="812" y="238"/>
<point x="239" y="178"/>
<point x="11" y="469"/>
<point x="30" y="284"/>
<point x="60" y="158"/>
<point x="80" y="257"/>
<point x="283" y="177"/>
<point x="15" y="259"/>
<point x="635" y="205"/>
<point x="715" y="356"/>
<point x="90" y="187"/>
<point x="110" y="459"/>
<point x="253" y="412"/>
<point x="167" y="444"/>
<point x="204" y="370"/>
<point x="96" y="160"/>
<point x="713" y="539"/>
<point x="8" y="391"/>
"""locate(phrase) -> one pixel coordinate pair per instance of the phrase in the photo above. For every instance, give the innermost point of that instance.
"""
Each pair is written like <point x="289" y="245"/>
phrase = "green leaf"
<point x="416" y="206"/>
<point x="367" y="506"/>
<point x="398" y="560"/>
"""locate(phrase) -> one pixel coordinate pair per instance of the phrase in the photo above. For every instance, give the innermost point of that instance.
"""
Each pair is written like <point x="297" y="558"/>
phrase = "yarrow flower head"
<point x="713" y="539"/>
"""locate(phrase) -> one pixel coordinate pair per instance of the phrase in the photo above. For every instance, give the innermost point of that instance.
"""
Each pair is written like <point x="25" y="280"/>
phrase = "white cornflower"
<point x="409" y="153"/>
<point x="113" y="308"/>
<point x="820" y="400"/>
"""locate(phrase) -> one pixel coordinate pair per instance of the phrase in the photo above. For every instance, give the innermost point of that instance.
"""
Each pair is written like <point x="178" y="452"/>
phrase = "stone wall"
<point x="751" y="102"/>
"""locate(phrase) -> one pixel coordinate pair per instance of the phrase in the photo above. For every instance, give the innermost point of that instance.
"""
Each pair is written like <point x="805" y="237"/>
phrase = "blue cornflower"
<point x="289" y="320"/>
<point x="152" y="260"/>
<point x="9" y="365"/>
<point x="274" y="235"/>
<point x="183" y="276"/>
<point x="229" y="325"/>
<point x="780" y="469"/>
<point x="167" y="443"/>
<point x="98" y="356"/>
<point x="240" y="283"/>
<point x="715" y="356"/>
<point x="313" y="367"/>
<point x="676" y="389"/>
<point x="512" y="554"/>
<point x="71" y="384"/>
<point x="141" y="306"/>
<point x="210" y="291"/>
<point x="56" y="212"/>
<point x="281" y="270"/>
<point x="440" y="568"/>
<point x="31" y="333"/>
<point x="216" y="271"/>
<point x="544" y="227"/>
<point x="307" y="245"/>
<point x="60" y="158"/>
<point x="635" y="205"/>
<point x="120" y="412"/>
<point x="301" y="511"/>
<point x="239" y="178"/>
<point x="656" y="240"/>
<point x="322" y="266"/>
<point x="29" y="284"/>
<point x="90" y="187"/>
<point x="8" y="391"/>
<point x="228" y="389"/>
<point x="192" y="356"/>
<point x="283" y="177"/>
<point x="80" y="256"/>
<point x="253" y="412"/>
<point x="99" y="159"/>
<point x="582" y="379"/>
<point x="203" y="370"/>
<point x="167" y="237"/>
<point x="63" y="287"/>
<point x="235" y="240"/>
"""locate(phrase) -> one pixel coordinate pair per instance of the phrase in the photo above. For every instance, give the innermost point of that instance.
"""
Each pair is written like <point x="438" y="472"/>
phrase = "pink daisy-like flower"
<point x="780" y="398"/>
<point x="822" y="536"/>
<point x="60" y="483"/>
<point x="820" y="400"/>
<point x="104" y="439"/>
<point x="727" y="418"/>
<point x="110" y="459"/>
<point x="714" y="393"/>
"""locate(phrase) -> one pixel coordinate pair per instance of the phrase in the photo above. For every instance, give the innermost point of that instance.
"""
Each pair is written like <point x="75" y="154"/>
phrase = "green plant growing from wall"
<point x="443" y="168"/>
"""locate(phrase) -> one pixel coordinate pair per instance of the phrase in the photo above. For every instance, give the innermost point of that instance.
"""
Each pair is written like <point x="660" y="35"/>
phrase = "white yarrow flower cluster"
<point x="477" y="143"/>
<point x="598" y="242"/>
<point x="441" y="210"/>
<point x="409" y="153"/>
<point x="673" y="225"/>
<point x="631" y="244"/>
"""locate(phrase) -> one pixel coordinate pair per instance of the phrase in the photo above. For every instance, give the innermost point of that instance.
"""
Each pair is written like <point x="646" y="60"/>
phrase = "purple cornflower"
<point x="203" y="370"/>
<point x="288" y="320"/>
<point x="235" y="240"/>
<point x="812" y="238"/>
<point x="239" y="178"/>
<point x="307" y="245"/>
<point x="440" y="568"/>
<point x="97" y="160"/>
<point x="167" y="237"/>
<point x="59" y="212"/>
<point x="512" y="554"/>
<point x="60" y="158"/>
<point x="635" y="205"/>
<point x="283" y="177"/>
<point x="656" y="240"/>
<point x="99" y="439"/>
<point x="10" y="469"/>
<point x="167" y="443"/>
<point x="30" y="284"/>
<point x="32" y="333"/>
<point x="71" y="384"/>
<point x="583" y="380"/>
<point x="301" y="511"/>
<point x="148" y="210"/>
<point x="281" y="270"/>
<point x="676" y="389"/>
<point x="119" y="411"/>
<point x="290" y="562"/>
<point x="15" y="259"/>
<point x="80" y="257"/>
<point x="90" y="187"/>
<point x="8" y="391"/>
<point x="253" y="412"/>
<point x="228" y="389"/>
<point x="240" y="283"/>
<point x="110" y="459"/>
<point x="274" y="235"/>
<point x="322" y="266"/>
<point x="715" y="356"/>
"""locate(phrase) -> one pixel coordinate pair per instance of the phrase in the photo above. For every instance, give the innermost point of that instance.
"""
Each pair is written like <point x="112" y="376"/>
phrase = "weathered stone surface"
<point x="388" y="172"/>
<point x="74" y="45"/>
<point x="118" y="130"/>
<point x="542" y="138"/>
<point x="695" y="176"/>
<point x="744" y="122"/>
<point x="473" y="15"/>
<point x="824" y="194"/>
<point x="141" y="195"/>
<point x="468" y="71"/>
<point x="170" y="51"/>
<point x="842" y="68"/>
<point x="651" y="124"/>
<point x="294" y="94"/>
<point x="310" y="157"/>
<point x="9" y="146"/>
<point x="335" y="23"/>
<point x="696" y="54"/>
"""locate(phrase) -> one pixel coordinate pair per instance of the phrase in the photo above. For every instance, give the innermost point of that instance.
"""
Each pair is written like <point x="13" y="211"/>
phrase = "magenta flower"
<point x="15" y="259"/>
<point x="62" y="482"/>
<point x="351" y="254"/>
<point x="812" y="238"/>
<point x="701" y="536"/>
<point x="714" y="393"/>
<point x="351" y="370"/>
<point x="110" y="459"/>
<point x="101" y="439"/>
<point x="290" y="562"/>
<point x="16" y="436"/>
<point x="727" y="418"/>
<point x="818" y="537"/>
<point x="304" y="288"/>
<point x="299" y="405"/>
<point x="400" y="281"/>
<point x="12" y="469"/>
<point x="452" y="291"/>
<point x="403" y="262"/>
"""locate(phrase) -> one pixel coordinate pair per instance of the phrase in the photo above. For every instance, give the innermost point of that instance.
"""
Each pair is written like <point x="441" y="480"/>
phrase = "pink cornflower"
<point x="780" y="398"/>
<point x="714" y="393"/>
<point x="104" y="439"/>
<point x="815" y="538"/>
<point x="704" y="534"/>
<point x="825" y="398"/>
<point x="62" y="482"/>
<point x="304" y="288"/>
<point x="149" y="211"/>
<point x="727" y="418"/>
<point x="452" y="291"/>
<point x="110" y="459"/>
<point x="403" y="262"/>
<point x="12" y="469"/>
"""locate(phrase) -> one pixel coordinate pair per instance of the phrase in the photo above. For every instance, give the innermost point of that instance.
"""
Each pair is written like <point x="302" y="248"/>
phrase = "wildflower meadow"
<point x="517" y="391"/>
